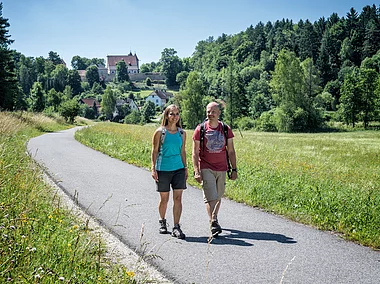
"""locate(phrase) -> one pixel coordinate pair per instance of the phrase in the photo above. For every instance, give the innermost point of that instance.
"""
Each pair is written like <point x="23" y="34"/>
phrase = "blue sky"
<point x="97" y="28"/>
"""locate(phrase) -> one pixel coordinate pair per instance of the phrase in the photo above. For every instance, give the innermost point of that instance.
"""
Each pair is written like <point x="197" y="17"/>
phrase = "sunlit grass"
<point x="328" y="180"/>
<point x="41" y="242"/>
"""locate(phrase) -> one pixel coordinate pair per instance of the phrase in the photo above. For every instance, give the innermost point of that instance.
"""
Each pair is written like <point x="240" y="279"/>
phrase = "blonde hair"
<point x="165" y="115"/>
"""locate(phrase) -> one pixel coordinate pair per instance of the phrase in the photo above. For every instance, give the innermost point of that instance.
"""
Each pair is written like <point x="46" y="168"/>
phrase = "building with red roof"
<point x="130" y="60"/>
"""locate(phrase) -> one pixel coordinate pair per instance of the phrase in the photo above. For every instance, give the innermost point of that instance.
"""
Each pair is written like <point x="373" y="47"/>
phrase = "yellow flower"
<point x="130" y="273"/>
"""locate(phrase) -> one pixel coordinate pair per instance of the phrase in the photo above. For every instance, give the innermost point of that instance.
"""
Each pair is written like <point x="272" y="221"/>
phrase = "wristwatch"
<point x="234" y="170"/>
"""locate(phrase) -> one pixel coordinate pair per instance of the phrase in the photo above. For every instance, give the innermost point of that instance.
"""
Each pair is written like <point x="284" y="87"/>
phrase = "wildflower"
<point x="50" y="216"/>
<point x="12" y="227"/>
<point x="130" y="273"/>
<point x="61" y="278"/>
<point x="37" y="276"/>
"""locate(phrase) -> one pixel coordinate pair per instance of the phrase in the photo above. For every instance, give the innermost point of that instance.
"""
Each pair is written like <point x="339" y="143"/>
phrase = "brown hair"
<point x="165" y="115"/>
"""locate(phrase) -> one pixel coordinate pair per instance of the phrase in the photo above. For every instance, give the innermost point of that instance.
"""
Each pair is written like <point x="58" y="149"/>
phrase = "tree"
<point x="54" y="57"/>
<point x="145" y="68"/>
<point x="350" y="101"/>
<point x="53" y="99"/>
<point x="92" y="75"/>
<point x="133" y="118"/>
<point x="25" y="79"/>
<point x="193" y="111"/>
<point x="369" y="81"/>
<point x="108" y="103"/>
<point x="235" y="95"/>
<point x="80" y="63"/>
<point x="294" y="110"/>
<point x="308" y="42"/>
<point x="122" y="71"/>
<point x="74" y="80"/>
<point x="8" y="80"/>
<point x="372" y="38"/>
<point x="171" y="65"/>
<point x="148" y="111"/>
<point x="60" y="77"/>
<point x="37" y="98"/>
<point x="181" y="78"/>
<point x="69" y="110"/>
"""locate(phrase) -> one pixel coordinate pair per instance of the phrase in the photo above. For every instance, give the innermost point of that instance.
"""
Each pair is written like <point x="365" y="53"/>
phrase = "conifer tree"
<point x="8" y="80"/>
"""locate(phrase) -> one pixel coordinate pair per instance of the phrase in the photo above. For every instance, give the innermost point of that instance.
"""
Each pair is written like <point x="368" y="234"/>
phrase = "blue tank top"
<point x="169" y="157"/>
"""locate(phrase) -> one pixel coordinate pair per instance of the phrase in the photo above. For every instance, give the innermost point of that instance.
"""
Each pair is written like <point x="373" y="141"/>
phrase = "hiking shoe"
<point x="177" y="232"/>
<point x="163" y="226"/>
<point x="215" y="228"/>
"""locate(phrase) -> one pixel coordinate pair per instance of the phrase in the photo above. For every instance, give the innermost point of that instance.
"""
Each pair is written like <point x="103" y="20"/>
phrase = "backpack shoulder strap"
<point x="202" y="133"/>
<point x="225" y="130"/>
<point x="181" y="132"/>
<point x="162" y="137"/>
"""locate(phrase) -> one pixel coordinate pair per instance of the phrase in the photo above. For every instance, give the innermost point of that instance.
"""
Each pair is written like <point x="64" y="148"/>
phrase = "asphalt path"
<point x="255" y="247"/>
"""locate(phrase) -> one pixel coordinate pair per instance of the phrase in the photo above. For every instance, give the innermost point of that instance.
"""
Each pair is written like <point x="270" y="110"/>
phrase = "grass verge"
<point x="327" y="180"/>
<point x="42" y="242"/>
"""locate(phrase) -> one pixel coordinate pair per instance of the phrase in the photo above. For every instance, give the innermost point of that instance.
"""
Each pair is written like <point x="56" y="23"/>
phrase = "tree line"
<point x="286" y="76"/>
<point x="280" y="76"/>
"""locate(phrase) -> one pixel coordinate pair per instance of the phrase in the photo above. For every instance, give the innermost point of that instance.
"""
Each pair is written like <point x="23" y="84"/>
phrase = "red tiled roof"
<point x="90" y="102"/>
<point x="130" y="60"/>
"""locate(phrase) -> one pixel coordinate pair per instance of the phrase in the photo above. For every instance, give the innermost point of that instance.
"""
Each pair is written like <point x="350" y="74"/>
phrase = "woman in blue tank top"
<point x="169" y="167"/>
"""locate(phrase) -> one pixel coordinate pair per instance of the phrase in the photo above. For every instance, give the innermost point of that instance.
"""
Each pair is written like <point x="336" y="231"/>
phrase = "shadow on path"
<point x="239" y="238"/>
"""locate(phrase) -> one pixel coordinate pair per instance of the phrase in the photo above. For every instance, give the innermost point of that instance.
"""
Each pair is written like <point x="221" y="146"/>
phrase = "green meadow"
<point x="326" y="180"/>
<point x="41" y="241"/>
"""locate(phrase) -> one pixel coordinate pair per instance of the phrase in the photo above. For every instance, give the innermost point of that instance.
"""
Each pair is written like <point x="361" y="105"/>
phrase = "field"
<point x="41" y="241"/>
<point x="327" y="180"/>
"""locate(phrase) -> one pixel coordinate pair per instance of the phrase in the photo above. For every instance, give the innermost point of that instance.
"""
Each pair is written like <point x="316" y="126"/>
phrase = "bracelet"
<point x="234" y="170"/>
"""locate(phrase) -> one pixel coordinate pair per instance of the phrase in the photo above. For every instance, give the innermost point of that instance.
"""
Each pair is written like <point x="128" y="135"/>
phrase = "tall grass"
<point x="328" y="180"/>
<point x="41" y="242"/>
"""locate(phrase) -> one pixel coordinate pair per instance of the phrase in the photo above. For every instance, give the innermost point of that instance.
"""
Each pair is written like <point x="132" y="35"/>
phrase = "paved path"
<point x="255" y="247"/>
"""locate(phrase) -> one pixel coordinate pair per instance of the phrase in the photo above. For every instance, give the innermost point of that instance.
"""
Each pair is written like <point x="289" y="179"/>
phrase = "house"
<point x="119" y="112"/>
<point x="108" y="73"/>
<point x="159" y="97"/>
<point x="130" y="60"/>
<point x="132" y="104"/>
<point x="90" y="102"/>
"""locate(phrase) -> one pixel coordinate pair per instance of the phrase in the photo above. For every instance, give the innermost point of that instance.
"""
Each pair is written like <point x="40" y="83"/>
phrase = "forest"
<point x="281" y="76"/>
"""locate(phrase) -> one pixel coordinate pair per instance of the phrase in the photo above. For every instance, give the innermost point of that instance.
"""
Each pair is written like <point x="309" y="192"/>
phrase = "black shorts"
<point x="177" y="179"/>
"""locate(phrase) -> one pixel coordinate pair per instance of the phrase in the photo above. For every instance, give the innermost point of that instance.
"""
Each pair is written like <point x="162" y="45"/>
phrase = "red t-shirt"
<point x="212" y="155"/>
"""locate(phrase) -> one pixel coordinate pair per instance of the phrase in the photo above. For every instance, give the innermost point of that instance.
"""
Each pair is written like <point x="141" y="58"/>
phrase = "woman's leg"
<point x="163" y="204"/>
<point x="177" y="207"/>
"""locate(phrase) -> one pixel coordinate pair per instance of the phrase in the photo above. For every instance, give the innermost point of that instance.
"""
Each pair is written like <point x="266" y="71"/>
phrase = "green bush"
<point x="246" y="123"/>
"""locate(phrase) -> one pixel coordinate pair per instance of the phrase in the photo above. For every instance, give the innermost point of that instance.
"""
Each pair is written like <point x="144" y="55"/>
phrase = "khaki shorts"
<point x="214" y="184"/>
